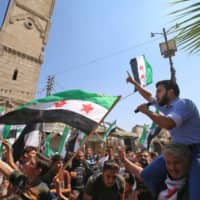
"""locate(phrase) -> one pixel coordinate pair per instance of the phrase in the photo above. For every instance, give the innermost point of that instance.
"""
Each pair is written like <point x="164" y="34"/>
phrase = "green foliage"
<point x="187" y="28"/>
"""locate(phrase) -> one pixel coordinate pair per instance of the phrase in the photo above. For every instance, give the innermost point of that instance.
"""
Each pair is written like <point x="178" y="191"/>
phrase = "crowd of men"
<point x="90" y="176"/>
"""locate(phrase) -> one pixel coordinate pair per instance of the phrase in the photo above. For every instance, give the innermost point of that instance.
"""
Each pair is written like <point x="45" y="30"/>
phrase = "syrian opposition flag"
<point x="28" y="137"/>
<point x="63" y="141"/>
<point x="79" y="109"/>
<point x="108" y="130"/>
<point x="79" y="140"/>
<point x="10" y="133"/>
<point x="148" y="134"/>
<point x="2" y="127"/>
<point x="141" y="70"/>
<point x="75" y="140"/>
<point x="2" y="111"/>
<point x="70" y="143"/>
<point x="32" y="137"/>
<point x="154" y="131"/>
<point x="143" y="137"/>
<point x="47" y="149"/>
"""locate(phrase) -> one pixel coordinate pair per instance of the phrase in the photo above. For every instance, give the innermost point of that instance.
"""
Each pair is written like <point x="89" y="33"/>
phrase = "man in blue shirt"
<point x="182" y="119"/>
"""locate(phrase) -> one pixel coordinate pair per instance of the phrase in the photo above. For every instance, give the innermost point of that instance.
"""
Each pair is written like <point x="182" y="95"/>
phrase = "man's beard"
<point x="143" y="163"/>
<point x="164" y="100"/>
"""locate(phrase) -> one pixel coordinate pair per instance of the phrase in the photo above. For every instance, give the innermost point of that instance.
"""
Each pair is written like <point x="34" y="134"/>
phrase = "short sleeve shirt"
<point x="96" y="188"/>
<point x="186" y="116"/>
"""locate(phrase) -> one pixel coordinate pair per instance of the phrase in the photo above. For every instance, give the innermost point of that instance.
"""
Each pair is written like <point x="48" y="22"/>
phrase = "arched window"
<point x="14" y="77"/>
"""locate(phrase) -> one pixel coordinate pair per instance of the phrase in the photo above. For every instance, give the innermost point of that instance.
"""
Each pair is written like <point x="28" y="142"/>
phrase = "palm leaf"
<point x="187" y="33"/>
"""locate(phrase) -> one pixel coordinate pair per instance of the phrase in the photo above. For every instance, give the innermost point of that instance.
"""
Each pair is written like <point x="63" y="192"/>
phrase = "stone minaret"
<point x="23" y="36"/>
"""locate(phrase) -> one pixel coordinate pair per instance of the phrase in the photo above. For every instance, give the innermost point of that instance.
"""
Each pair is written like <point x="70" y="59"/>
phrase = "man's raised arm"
<point x="144" y="93"/>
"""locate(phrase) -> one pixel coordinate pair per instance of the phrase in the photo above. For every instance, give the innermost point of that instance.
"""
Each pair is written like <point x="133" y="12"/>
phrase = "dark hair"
<point x="29" y="149"/>
<point x="56" y="158"/>
<point x="168" y="84"/>
<point x="144" y="150"/>
<point x="110" y="164"/>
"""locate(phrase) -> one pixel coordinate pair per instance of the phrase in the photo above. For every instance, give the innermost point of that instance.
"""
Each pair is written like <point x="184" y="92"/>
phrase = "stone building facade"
<point x="23" y="36"/>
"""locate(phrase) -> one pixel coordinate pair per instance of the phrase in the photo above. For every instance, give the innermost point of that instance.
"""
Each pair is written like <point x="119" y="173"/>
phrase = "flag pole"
<point x="128" y="95"/>
<point x="92" y="132"/>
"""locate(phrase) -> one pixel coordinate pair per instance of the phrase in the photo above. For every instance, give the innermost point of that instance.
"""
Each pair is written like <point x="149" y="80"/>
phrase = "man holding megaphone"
<point x="179" y="116"/>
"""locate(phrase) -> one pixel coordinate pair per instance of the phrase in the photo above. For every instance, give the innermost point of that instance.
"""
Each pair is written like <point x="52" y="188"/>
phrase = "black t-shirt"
<point x="78" y="182"/>
<point x="97" y="189"/>
<point x="83" y="172"/>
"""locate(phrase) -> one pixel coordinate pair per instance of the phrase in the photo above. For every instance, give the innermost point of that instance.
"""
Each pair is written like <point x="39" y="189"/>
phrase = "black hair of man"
<point x="29" y="149"/>
<point x="168" y="84"/>
<point x="110" y="165"/>
<point x="56" y="158"/>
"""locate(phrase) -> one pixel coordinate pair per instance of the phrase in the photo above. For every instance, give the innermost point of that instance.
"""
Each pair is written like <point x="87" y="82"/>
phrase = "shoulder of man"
<point x="120" y="182"/>
<point x="94" y="180"/>
<point x="48" y="177"/>
<point x="92" y="185"/>
<point x="18" y="179"/>
<point x="95" y="177"/>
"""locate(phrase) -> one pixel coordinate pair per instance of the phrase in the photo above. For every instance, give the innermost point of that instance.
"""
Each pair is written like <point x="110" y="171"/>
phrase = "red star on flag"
<point x="60" y="104"/>
<point x="78" y="139"/>
<point x="142" y="76"/>
<point x="141" y="67"/>
<point x="87" y="108"/>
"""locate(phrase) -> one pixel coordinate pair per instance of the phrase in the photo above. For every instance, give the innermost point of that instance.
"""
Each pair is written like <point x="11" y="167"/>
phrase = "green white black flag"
<point x="79" y="109"/>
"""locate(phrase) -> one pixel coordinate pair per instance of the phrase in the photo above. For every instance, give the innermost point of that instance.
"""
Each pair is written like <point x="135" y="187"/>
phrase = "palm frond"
<point x="187" y="33"/>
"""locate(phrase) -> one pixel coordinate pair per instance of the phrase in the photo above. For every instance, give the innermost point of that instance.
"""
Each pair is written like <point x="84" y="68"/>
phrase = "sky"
<point x="91" y="43"/>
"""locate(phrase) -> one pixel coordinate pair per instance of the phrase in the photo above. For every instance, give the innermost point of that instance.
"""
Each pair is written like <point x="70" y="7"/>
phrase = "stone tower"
<point x="23" y="36"/>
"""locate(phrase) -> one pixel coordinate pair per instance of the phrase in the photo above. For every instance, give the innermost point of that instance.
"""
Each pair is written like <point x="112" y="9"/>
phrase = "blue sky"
<point x="91" y="43"/>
